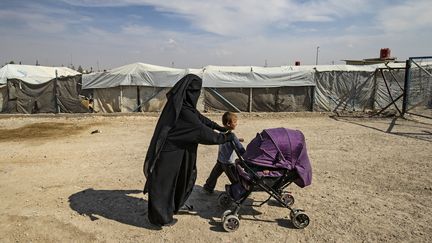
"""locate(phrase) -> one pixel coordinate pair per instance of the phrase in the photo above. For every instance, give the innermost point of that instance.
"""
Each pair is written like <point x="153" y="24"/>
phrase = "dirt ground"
<point x="59" y="182"/>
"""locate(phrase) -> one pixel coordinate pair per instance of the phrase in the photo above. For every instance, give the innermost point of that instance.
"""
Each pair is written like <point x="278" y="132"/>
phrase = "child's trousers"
<point x="217" y="170"/>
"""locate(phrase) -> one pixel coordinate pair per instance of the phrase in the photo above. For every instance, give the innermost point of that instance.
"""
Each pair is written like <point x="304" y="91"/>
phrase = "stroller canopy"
<point x="281" y="148"/>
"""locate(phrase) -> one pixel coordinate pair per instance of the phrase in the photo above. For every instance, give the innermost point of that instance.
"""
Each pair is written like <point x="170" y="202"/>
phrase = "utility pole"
<point x="316" y="60"/>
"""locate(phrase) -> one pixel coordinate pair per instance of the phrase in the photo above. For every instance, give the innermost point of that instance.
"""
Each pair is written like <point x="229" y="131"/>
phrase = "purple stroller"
<point x="273" y="160"/>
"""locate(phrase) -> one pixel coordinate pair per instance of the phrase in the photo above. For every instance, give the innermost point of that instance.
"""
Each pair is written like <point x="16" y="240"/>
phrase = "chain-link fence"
<point x="418" y="87"/>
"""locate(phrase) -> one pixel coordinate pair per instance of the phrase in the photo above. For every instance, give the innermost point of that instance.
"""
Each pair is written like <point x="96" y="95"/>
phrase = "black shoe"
<point x="186" y="209"/>
<point x="173" y="222"/>
<point x="155" y="226"/>
<point x="159" y="226"/>
<point x="208" y="190"/>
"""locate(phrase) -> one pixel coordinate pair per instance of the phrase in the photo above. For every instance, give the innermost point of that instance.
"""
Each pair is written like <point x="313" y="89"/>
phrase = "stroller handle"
<point x="236" y="150"/>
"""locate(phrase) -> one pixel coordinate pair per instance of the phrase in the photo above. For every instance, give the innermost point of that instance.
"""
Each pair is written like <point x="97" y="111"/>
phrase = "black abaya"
<point x="170" y="165"/>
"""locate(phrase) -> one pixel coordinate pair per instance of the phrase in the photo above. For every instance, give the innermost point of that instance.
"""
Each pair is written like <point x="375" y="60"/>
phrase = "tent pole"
<point x="224" y="99"/>
<point x="138" y="100"/>
<point x="250" y="100"/>
<point x="121" y="98"/>
<point x="406" y="86"/>
<point x="55" y="93"/>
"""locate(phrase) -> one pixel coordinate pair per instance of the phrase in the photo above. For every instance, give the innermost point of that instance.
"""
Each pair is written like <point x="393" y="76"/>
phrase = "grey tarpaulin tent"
<point x="3" y="96"/>
<point x="251" y="88"/>
<point x="133" y="86"/>
<point x="245" y="88"/>
<point x="39" y="89"/>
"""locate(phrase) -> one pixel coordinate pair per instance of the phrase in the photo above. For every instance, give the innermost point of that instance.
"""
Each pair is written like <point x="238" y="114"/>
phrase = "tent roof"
<point x="33" y="74"/>
<point x="141" y="74"/>
<point x="137" y="74"/>
<point x="253" y="76"/>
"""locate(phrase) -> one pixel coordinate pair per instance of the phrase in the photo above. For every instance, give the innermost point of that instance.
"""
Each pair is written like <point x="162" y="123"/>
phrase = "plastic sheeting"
<point x="395" y="81"/>
<point x="3" y="96"/>
<point x="279" y="99"/>
<point x="249" y="88"/>
<point x="33" y="74"/>
<point x="344" y="91"/>
<point x="256" y="77"/>
<point x="214" y="100"/>
<point x="106" y="100"/>
<point x="23" y="97"/>
<point x="30" y="98"/>
<point x="420" y="90"/>
<point x="136" y="74"/>
<point x="67" y="94"/>
<point x="152" y="99"/>
<point x="129" y="99"/>
<point x="141" y="74"/>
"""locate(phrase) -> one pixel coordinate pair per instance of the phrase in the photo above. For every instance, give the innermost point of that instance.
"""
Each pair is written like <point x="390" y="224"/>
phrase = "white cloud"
<point x="43" y="19"/>
<point x="245" y="17"/>
<point x="409" y="16"/>
<point x="240" y="27"/>
<point x="35" y="21"/>
<point x="136" y="30"/>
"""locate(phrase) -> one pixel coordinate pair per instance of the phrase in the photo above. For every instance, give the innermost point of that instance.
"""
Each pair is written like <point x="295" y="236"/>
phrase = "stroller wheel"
<point x="225" y="214"/>
<point x="231" y="223"/>
<point x="224" y="200"/>
<point x="299" y="219"/>
<point x="287" y="198"/>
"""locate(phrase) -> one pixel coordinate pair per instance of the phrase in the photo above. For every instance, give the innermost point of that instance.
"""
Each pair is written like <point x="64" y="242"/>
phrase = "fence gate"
<point x="418" y="87"/>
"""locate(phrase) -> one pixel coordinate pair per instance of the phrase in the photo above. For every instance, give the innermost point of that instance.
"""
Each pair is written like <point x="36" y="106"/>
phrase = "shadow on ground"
<point x="117" y="205"/>
<point x="206" y="206"/>
<point x="123" y="207"/>
<point x="405" y="128"/>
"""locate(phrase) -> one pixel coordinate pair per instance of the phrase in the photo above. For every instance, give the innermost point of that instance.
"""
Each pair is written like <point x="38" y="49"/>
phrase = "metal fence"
<point x="417" y="98"/>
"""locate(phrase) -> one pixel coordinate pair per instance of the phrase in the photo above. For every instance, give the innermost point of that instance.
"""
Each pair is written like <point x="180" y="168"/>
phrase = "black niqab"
<point x="186" y="93"/>
<point x="170" y="164"/>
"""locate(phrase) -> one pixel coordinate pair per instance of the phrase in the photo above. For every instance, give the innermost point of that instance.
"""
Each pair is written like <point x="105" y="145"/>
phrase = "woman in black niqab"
<point x="170" y="164"/>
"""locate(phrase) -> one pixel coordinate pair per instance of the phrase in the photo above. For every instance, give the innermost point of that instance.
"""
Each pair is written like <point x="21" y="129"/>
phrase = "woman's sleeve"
<point x="211" y="124"/>
<point x="209" y="137"/>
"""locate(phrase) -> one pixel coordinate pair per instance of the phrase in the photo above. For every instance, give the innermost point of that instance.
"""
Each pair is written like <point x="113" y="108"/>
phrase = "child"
<point x="225" y="160"/>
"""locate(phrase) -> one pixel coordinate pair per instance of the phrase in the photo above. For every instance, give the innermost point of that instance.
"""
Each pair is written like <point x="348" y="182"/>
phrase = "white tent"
<point x="125" y="88"/>
<point x="33" y="74"/>
<point x="257" y="77"/>
<point x="252" y="88"/>
<point x="135" y="74"/>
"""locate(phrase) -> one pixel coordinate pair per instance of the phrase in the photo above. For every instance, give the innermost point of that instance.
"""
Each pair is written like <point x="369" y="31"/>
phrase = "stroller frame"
<point x="230" y="218"/>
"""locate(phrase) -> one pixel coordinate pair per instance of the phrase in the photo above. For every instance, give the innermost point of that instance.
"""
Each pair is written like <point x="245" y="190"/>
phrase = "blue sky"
<point x="195" y="33"/>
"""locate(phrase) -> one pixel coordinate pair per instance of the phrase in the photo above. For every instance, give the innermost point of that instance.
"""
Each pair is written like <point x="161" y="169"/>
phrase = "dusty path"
<point x="58" y="182"/>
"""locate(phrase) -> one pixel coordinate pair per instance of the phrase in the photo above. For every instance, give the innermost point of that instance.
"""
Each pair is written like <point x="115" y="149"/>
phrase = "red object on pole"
<point x="385" y="53"/>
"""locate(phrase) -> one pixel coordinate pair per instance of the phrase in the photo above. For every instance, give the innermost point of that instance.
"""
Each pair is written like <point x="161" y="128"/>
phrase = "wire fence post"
<point x="406" y="86"/>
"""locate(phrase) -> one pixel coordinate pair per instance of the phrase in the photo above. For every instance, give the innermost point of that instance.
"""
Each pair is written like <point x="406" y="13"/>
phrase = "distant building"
<point x="384" y="57"/>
